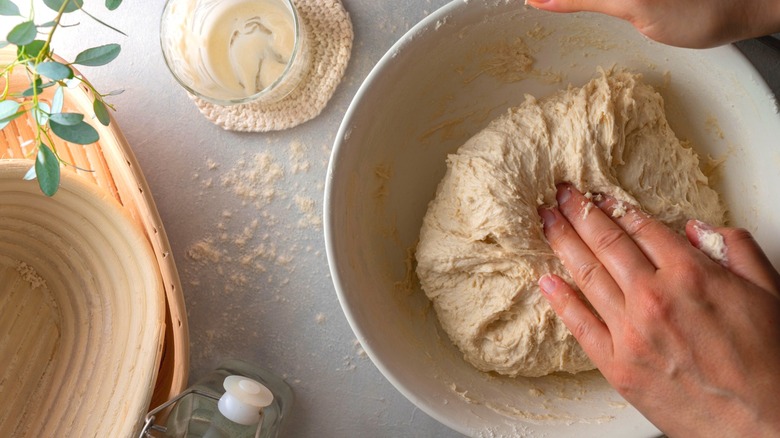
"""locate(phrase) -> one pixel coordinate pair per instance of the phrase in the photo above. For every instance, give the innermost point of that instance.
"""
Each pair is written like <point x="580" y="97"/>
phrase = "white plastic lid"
<point x="243" y="400"/>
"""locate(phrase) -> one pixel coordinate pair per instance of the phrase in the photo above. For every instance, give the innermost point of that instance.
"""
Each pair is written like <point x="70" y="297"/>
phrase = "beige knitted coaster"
<point x="330" y="36"/>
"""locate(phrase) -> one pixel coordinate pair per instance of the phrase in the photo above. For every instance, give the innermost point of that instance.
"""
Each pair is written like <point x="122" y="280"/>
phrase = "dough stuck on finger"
<point x="710" y="242"/>
<point x="482" y="248"/>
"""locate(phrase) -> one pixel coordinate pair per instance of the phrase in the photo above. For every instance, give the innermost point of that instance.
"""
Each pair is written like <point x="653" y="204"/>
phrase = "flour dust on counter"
<point x="254" y="179"/>
<point x="264" y="217"/>
<point x="355" y="357"/>
<point x="310" y="217"/>
<point x="298" y="161"/>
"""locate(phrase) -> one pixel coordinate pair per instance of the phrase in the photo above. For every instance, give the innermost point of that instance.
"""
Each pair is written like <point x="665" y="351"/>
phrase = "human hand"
<point x="692" y="343"/>
<point x="688" y="23"/>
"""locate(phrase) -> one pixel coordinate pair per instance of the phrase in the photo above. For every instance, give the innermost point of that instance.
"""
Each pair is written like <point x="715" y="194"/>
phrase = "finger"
<point x="737" y="250"/>
<point x="620" y="9"/>
<point x="610" y="244"/>
<point x="707" y="240"/>
<point x="656" y="241"/>
<point x="594" y="280"/>
<point x="590" y="332"/>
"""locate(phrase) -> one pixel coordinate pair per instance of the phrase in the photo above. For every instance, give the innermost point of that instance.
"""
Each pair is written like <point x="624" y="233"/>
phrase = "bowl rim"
<point x="328" y="210"/>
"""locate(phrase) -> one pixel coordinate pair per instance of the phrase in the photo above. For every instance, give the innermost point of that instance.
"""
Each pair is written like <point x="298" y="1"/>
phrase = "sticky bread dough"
<point x="482" y="249"/>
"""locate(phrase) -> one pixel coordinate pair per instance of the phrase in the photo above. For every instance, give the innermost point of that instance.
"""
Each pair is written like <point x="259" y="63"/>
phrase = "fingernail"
<point x="702" y="225"/>
<point x="548" y="217"/>
<point x="564" y="193"/>
<point x="599" y="199"/>
<point x="547" y="284"/>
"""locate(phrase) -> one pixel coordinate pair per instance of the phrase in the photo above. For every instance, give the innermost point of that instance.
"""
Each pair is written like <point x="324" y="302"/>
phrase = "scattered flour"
<point x="235" y="251"/>
<point x="256" y="208"/>
<point x="297" y="155"/>
<point x="713" y="126"/>
<point x="30" y="275"/>
<point x="584" y="41"/>
<point x="359" y="354"/>
<point x="204" y="251"/>
<point x="359" y="351"/>
<point x="441" y="23"/>
<point x="512" y="61"/>
<point x="310" y="216"/>
<point x="538" y="32"/>
<point x="383" y="172"/>
<point x="254" y="179"/>
<point x="507" y="61"/>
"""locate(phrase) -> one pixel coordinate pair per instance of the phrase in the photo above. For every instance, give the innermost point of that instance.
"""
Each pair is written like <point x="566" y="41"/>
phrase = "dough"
<point x="482" y="248"/>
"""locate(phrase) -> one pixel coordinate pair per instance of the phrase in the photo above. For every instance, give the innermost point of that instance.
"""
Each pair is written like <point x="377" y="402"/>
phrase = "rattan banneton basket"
<point x="111" y="166"/>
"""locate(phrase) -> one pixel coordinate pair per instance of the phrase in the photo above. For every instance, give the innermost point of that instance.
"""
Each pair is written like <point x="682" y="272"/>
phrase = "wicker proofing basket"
<point x="114" y="169"/>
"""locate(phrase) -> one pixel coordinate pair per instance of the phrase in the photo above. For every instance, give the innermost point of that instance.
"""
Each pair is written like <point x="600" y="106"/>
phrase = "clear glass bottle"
<point x="237" y="400"/>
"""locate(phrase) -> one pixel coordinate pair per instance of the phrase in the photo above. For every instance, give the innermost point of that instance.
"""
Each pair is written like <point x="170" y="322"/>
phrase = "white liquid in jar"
<point x="228" y="49"/>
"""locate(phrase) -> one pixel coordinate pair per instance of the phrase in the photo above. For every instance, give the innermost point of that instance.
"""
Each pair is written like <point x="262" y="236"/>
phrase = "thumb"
<point x="735" y="249"/>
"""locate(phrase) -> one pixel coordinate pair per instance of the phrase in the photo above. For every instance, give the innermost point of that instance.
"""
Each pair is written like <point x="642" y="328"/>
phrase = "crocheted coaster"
<point x="329" y="30"/>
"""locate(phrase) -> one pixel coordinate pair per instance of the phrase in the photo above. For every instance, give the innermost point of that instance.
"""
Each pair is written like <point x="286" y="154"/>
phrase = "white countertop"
<point x="261" y="290"/>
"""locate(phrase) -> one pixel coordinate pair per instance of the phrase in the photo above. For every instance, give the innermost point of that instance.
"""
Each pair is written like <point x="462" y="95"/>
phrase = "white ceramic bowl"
<point x="81" y="311"/>
<point x="431" y="92"/>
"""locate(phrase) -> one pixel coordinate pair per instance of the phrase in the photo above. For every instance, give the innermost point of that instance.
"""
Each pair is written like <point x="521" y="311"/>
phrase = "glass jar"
<point x="237" y="400"/>
<point x="235" y="51"/>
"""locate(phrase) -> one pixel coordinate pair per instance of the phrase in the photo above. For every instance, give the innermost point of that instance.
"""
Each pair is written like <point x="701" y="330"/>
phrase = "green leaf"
<point x="80" y="133"/>
<point x="4" y="44"/>
<point x="55" y="70"/>
<point x="32" y="49"/>
<point x="68" y="119"/>
<point x="6" y="120"/>
<point x="30" y="175"/>
<point x="9" y="110"/>
<point x="56" y="5"/>
<point x="9" y="8"/>
<point x="47" y="170"/>
<point x="23" y="34"/>
<point x="103" y="22"/>
<point x="41" y="113"/>
<point x="97" y="56"/>
<point x="113" y="4"/>
<point x="34" y="89"/>
<point x="101" y="112"/>
<point x="58" y="100"/>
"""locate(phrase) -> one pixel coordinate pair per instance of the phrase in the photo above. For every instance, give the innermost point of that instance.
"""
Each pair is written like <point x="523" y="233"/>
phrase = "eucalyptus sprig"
<point x="35" y="56"/>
